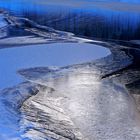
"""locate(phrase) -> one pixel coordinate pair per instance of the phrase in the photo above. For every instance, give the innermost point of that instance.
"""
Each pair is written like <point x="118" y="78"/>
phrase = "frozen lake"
<point x="57" y="54"/>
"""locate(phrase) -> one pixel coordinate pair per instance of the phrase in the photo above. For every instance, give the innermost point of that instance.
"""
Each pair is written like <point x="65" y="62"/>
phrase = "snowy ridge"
<point x="37" y="34"/>
<point x="11" y="100"/>
<point x="43" y="118"/>
<point x="33" y="33"/>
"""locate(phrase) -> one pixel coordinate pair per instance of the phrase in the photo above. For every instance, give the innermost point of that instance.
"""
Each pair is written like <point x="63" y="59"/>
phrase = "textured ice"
<point x="100" y="109"/>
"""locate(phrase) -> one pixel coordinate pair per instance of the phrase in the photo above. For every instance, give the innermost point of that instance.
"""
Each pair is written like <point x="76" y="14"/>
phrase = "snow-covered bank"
<point x="11" y="99"/>
<point x="31" y="33"/>
<point x="47" y="120"/>
<point x="100" y="109"/>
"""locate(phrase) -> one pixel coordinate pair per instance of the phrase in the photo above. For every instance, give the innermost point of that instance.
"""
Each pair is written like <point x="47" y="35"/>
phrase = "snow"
<point x="99" y="109"/>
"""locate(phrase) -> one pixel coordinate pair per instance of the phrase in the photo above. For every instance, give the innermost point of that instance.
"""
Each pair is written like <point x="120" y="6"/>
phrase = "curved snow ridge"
<point x="33" y="33"/>
<point x="44" y="118"/>
<point x="26" y="23"/>
<point x="11" y="99"/>
<point x="36" y="29"/>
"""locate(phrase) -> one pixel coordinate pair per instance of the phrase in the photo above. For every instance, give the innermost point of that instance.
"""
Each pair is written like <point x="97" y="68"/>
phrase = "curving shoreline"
<point x="77" y="102"/>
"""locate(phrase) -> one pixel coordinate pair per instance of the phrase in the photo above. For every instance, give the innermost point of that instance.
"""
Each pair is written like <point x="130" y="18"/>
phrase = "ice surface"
<point x="100" y="109"/>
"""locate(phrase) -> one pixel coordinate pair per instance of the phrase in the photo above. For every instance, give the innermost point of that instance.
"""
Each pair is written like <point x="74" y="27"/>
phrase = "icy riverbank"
<point x="85" y="101"/>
